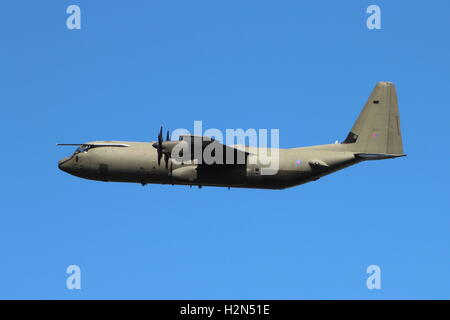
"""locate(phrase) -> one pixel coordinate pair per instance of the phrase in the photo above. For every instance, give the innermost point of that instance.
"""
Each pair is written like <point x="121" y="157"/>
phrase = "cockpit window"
<point x="83" y="148"/>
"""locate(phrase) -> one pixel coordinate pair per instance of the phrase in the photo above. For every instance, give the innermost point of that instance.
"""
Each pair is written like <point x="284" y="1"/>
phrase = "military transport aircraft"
<point x="375" y="135"/>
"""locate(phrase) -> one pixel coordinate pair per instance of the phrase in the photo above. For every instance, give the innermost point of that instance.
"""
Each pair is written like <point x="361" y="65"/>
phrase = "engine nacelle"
<point x="186" y="173"/>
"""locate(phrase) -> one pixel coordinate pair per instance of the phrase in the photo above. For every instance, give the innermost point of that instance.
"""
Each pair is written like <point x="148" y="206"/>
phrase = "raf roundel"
<point x="298" y="163"/>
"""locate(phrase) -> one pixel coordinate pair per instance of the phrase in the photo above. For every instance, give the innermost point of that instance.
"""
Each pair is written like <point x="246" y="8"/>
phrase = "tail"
<point x="376" y="133"/>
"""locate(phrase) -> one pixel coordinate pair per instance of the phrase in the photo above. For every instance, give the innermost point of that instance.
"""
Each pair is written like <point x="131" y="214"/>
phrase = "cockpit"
<point x="82" y="148"/>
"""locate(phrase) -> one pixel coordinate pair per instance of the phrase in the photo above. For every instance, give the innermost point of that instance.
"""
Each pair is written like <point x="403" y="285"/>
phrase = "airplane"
<point x="375" y="135"/>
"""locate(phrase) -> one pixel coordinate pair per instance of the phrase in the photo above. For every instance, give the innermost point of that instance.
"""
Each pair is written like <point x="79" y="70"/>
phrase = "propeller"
<point x="159" y="147"/>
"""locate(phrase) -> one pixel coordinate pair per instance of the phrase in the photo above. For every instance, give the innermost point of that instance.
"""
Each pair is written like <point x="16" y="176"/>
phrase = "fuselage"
<point x="375" y="135"/>
<point x="138" y="163"/>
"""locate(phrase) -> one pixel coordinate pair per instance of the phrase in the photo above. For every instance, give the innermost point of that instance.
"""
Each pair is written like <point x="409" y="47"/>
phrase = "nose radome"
<point x="63" y="164"/>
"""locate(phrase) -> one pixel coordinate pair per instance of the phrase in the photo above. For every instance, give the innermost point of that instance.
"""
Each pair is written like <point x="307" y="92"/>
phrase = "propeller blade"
<point x="166" y="159"/>
<point x="167" y="155"/>
<point x="160" y="135"/>
<point x="159" y="145"/>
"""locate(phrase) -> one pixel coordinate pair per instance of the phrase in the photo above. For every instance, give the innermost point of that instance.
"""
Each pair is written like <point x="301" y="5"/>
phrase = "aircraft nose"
<point x="63" y="164"/>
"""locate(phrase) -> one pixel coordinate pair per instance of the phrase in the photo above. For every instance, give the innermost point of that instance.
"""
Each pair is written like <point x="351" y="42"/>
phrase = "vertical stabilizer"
<point x="377" y="129"/>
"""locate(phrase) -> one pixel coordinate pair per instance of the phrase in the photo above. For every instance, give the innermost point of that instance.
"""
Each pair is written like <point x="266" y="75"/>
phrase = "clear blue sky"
<point x="306" y="68"/>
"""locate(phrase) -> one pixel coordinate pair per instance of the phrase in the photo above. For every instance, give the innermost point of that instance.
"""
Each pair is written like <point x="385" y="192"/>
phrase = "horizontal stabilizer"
<point x="378" y="156"/>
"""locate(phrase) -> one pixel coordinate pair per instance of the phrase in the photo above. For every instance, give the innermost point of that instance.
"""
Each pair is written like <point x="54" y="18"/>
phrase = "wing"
<point x="94" y="145"/>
